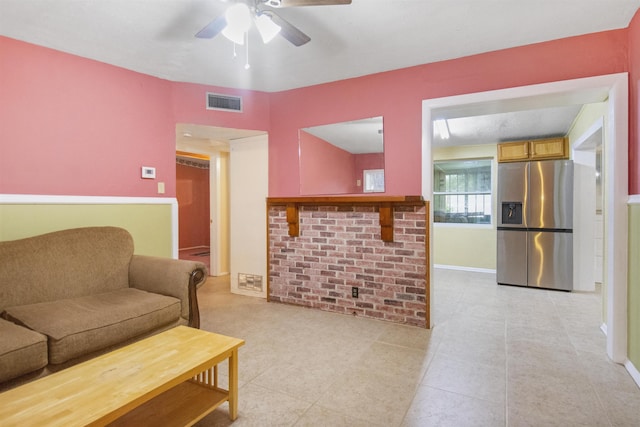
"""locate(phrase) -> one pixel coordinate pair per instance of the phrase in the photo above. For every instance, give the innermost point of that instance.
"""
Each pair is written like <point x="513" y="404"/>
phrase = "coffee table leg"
<point x="233" y="385"/>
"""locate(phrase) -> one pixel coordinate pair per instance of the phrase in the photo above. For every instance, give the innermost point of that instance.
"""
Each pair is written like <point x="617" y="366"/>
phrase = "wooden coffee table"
<point x="167" y="379"/>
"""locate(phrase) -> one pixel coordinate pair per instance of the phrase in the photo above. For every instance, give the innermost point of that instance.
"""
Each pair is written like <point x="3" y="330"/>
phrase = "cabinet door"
<point x="553" y="148"/>
<point x="513" y="151"/>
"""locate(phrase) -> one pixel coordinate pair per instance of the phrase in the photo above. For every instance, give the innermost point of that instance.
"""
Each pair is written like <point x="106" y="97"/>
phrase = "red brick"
<point x="346" y="242"/>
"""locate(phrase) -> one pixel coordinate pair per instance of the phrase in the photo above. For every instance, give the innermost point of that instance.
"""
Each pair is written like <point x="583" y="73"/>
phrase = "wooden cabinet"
<point x="513" y="151"/>
<point x="552" y="148"/>
<point x="538" y="149"/>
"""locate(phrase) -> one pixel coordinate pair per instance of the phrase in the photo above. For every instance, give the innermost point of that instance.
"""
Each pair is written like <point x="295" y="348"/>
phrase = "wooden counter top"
<point x="385" y="205"/>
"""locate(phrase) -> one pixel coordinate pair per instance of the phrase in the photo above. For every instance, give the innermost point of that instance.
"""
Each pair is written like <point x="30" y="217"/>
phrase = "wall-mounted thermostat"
<point x="148" y="172"/>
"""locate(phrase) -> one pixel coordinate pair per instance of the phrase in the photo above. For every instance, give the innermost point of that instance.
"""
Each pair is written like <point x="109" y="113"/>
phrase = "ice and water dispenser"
<point x="511" y="213"/>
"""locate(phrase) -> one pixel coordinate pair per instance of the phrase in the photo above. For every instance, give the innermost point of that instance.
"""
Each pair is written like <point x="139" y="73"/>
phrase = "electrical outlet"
<point x="354" y="292"/>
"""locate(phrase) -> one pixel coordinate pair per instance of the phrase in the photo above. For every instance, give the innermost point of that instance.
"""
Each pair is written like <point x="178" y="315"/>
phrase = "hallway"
<point x="497" y="356"/>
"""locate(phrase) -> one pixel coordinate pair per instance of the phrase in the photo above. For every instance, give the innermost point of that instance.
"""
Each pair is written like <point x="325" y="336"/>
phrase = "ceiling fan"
<point x="236" y="21"/>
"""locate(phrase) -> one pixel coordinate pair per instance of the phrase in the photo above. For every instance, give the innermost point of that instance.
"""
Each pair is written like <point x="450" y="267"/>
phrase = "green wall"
<point x="149" y="224"/>
<point x="464" y="245"/>
<point x="633" y="341"/>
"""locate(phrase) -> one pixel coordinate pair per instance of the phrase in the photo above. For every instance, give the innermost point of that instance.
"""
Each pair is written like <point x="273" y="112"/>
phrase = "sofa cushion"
<point x="21" y="350"/>
<point x="64" y="264"/>
<point x="82" y="325"/>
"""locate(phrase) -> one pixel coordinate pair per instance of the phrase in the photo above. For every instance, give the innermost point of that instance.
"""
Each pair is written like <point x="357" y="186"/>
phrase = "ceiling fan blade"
<point x="289" y="32"/>
<point x="213" y="28"/>
<point x="293" y="3"/>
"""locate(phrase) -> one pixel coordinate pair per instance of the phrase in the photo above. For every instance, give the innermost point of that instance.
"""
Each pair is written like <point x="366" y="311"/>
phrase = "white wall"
<point x="584" y="137"/>
<point x="219" y="213"/>
<point x="584" y="203"/>
<point x="248" y="182"/>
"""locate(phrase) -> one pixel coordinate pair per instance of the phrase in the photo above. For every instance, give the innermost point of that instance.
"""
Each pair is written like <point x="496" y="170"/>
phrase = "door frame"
<point x="616" y="173"/>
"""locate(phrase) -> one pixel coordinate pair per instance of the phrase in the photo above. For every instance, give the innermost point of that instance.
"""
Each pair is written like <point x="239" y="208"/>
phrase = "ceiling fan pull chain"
<point x="246" y="65"/>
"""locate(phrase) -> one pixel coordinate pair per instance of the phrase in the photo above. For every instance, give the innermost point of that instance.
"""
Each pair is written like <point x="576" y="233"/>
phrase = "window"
<point x="373" y="180"/>
<point x="462" y="191"/>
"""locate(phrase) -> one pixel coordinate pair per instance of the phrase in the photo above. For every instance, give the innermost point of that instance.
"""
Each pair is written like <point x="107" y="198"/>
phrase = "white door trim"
<point x="615" y="170"/>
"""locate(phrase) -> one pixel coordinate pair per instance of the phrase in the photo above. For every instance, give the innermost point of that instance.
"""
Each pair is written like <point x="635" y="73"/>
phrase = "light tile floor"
<point x="497" y="356"/>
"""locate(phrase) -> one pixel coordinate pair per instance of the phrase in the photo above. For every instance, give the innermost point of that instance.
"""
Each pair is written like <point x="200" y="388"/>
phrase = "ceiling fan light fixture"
<point x="442" y="128"/>
<point x="235" y="36"/>
<point x="266" y="27"/>
<point x="238" y="17"/>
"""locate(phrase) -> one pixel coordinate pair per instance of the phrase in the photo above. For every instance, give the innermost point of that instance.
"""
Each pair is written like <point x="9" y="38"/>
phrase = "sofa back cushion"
<point x="64" y="264"/>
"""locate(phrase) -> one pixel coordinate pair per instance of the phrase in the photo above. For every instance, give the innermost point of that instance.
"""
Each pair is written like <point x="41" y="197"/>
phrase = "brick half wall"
<point x="339" y="248"/>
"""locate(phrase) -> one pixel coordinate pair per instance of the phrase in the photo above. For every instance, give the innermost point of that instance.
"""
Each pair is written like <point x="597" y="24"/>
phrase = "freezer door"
<point x="551" y="194"/>
<point x="550" y="260"/>
<point x="512" y="257"/>
<point x="512" y="194"/>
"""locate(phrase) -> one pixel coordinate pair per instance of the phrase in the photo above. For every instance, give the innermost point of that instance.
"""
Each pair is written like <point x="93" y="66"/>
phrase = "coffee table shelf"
<point x="184" y="405"/>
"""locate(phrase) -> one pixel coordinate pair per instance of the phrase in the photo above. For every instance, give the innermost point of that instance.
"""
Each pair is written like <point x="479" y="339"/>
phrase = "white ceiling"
<point x="356" y="136"/>
<point x="509" y="126"/>
<point x="208" y="139"/>
<point x="156" y="37"/>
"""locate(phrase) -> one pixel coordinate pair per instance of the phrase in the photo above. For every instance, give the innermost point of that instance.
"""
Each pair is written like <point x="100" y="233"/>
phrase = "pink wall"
<point x="70" y="125"/>
<point x="368" y="161"/>
<point x="189" y="102"/>
<point x="634" y="108"/>
<point x="74" y="126"/>
<point x="397" y="95"/>
<point x="192" y="192"/>
<point x="327" y="168"/>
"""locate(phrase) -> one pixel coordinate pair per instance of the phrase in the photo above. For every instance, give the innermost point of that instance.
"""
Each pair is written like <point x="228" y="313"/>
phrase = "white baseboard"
<point x="193" y="247"/>
<point x="248" y="293"/>
<point x="603" y="328"/>
<point x="461" y="268"/>
<point x="222" y="273"/>
<point x="635" y="374"/>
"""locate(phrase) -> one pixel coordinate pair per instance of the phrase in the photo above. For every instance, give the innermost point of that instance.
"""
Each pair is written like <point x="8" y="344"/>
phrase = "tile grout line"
<point x="575" y="350"/>
<point x="506" y="368"/>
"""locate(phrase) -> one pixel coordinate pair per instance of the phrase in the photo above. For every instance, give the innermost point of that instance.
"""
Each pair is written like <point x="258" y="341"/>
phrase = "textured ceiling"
<point x="510" y="126"/>
<point x="156" y="37"/>
<point x="357" y="136"/>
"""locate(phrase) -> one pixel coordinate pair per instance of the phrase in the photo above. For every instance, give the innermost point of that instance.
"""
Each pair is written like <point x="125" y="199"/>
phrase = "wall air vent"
<point x="252" y="282"/>
<point x="216" y="101"/>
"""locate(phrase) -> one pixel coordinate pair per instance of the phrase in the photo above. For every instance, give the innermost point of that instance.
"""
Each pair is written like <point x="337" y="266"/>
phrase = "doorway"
<point x="587" y="152"/>
<point x="238" y="178"/>
<point x="615" y="168"/>
<point x="206" y="147"/>
<point x="193" y="195"/>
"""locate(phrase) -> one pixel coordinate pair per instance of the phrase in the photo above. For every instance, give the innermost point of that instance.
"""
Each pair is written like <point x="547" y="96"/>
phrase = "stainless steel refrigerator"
<point x="535" y="224"/>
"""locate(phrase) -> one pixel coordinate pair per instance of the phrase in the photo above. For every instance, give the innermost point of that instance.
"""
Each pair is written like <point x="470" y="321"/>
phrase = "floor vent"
<point x="215" y="101"/>
<point x="251" y="282"/>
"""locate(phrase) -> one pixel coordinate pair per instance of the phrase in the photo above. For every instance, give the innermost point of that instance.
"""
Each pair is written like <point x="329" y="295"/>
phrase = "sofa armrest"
<point x="172" y="277"/>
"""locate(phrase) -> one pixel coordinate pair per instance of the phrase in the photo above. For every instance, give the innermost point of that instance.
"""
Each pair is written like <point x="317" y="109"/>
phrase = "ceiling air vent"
<point x="215" y="101"/>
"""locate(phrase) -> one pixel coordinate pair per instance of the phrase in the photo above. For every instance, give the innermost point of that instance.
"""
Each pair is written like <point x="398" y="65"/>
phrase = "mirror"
<point x="342" y="158"/>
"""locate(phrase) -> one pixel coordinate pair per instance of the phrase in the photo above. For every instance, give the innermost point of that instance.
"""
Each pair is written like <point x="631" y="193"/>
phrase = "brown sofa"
<point x="69" y="295"/>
